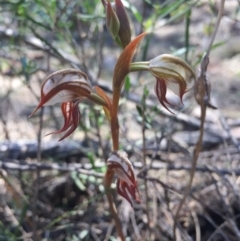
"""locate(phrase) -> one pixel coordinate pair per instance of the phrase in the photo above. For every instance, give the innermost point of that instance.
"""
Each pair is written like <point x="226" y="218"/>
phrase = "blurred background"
<point x="51" y="190"/>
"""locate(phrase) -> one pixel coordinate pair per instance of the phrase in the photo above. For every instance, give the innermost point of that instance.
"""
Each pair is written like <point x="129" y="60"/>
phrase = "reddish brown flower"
<point x="64" y="86"/>
<point x="71" y="116"/>
<point x="126" y="183"/>
<point x="69" y="87"/>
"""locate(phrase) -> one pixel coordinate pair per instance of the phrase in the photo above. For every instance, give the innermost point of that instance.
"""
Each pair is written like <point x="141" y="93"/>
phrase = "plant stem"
<point x="201" y="88"/>
<point x="107" y="185"/>
<point x="110" y="173"/>
<point x="114" y="119"/>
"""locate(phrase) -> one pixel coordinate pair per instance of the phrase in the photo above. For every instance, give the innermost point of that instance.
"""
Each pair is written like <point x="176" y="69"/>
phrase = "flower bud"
<point x="124" y="32"/>
<point x="112" y="21"/>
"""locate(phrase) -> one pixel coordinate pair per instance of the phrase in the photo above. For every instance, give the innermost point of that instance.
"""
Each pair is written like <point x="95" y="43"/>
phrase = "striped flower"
<point x="170" y="72"/>
<point x="126" y="182"/>
<point x="69" y="87"/>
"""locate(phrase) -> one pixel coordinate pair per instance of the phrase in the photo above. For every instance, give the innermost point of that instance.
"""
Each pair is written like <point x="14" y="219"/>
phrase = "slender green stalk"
<point x="97" y="99"/>
<point x="139" y="66"/>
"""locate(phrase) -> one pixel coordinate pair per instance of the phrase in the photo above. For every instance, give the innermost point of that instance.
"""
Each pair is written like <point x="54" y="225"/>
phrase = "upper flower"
<point x="170" y="71"/>
<point x="126" y="183"/>
<point x="177" y="74"/>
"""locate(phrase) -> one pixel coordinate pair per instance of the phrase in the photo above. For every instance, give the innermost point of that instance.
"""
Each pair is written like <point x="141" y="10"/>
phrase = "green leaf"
<point x="218" y="44"/>
<point x="77" y="181"/>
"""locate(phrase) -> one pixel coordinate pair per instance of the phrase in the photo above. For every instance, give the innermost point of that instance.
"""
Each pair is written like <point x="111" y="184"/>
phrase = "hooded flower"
<point x="69" y="87"/>
<point x="126" y="182"/>
<point x="170" y="72"/>
<point x="64" y="86"/>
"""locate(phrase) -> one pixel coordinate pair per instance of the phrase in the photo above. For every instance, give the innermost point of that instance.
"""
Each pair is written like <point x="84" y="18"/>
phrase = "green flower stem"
<point x="97" y="99"/>
<point x="139" y="66"/>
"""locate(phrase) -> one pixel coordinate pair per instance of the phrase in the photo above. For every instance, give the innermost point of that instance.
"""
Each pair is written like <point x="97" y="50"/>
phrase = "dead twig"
<point x="202" y="95"/>
<point x="144" y="156"/>
<point x="13" y="165"/>
<point x="197" y="225"/>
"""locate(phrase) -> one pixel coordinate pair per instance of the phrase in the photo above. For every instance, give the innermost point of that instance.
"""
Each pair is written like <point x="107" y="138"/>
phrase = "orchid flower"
<point x="126" y="182"/>
<point x="69" y="87"/>
<point x="169" y="71"/>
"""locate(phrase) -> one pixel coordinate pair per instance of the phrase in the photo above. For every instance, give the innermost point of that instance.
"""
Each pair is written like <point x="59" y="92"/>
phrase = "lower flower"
<point x="126" y="183"/>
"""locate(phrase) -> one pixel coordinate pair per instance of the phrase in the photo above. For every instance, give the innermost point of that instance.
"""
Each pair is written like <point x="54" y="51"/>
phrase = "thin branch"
<point x="202" y="92"/>
<point x="145" y="158"/>
<point x="220" y="14"/>
<point x="13" y="165"/>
